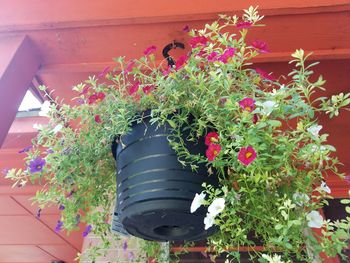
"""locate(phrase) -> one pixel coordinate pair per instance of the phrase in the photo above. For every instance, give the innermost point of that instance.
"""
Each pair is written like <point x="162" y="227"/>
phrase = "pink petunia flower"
<point x="212" y="151"/>
<point x="260" y="46"/>
<point x="264" y="75"/>
<point x="149" y="50"/>
<point x="166" y="71"/>
<point x="247" y="104"/>
<point x="180" y="62"/>
<point x="134" y="88"/>
<point x="227" y="54"/>
<point x="212" y="137"/>
<point x="199" y="40"/>
<point x="246" y="155"/>
<point x="212" y="56"/>
<point x="243" y="24"/>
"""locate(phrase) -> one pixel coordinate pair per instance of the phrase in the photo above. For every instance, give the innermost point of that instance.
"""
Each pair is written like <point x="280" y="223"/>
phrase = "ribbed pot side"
<point x="154" y="190"/>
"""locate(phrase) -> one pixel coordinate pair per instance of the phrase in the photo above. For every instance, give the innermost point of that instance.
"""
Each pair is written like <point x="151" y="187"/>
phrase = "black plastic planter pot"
<point x="154" y="190"/>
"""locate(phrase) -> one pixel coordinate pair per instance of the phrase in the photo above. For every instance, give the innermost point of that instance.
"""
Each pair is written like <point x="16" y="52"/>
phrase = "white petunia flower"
<point x="216" y="207"/>
<point x="324" y="187"/>
<point x="45" y="108"/>
<point x="57" y="128"/>
<point x="209" y="221"/>
<point x="268" y="107"/>
<point x="314" y="219"/>
<point x="314" y="130"/>
<point x="273" y="259"/>
<point x="197" y="202"/>
<point x="315" y="148"/>
<point x="301" y="199"/>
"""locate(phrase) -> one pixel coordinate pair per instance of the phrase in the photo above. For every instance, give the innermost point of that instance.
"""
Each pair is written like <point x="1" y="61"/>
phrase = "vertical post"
<point x="19" y="63"/>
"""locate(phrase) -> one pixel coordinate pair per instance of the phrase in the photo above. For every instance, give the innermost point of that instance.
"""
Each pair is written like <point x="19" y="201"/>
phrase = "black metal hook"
<point x="169" y="47"/>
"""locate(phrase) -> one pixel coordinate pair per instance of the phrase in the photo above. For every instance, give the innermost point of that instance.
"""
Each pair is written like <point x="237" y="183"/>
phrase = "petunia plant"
<point x="264" y="143"/>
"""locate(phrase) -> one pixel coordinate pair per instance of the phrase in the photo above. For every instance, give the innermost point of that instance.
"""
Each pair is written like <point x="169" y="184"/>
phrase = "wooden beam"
<point x="18" y="64"/>
<point x="16" y="15"/>
<point x="96" y="67"/>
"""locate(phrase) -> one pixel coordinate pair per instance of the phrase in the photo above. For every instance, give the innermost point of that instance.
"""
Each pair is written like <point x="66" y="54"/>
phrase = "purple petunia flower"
<point x="26" y="149"/>
<point x="38" y="213"/>
<point x="58" y="227"/>
<point x="131" y="256"/>
<point x="49" y="151"/>
<point x="87" y="230"/>
<point x="61" y="207"/>
<point x="36" y="165"/>
<point x="125" y="245"/>
<point x="186" y="29"/>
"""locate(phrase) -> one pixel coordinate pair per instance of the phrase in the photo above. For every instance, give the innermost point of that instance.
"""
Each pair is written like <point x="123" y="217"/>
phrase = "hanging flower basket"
<point x="225" y="146"/>
<point x="154" y="190"/>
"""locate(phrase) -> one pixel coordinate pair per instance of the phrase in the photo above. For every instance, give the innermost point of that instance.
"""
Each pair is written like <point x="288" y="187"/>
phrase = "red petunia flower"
<point x="212" y="151"/>
<point x="147" y="89"/>
<point x="134" y="88"/>
<point x="212" y="137"/>
<point x="180" y="62"/>
<point x="247" y="104"/>
<point x="246" y="155"/>
<point x="227" y="54"/>
<point x="92" y="99"/>
<point x="98" y="119"/>
<point x="255" y="118"/>
<point x="264" y="75"/>
<point x="100" y="95"/>
<point x="149" y="50"/>
<point x="260" y="46"/>
<point x="243" y="24"/>
<point x="199" y="40"/>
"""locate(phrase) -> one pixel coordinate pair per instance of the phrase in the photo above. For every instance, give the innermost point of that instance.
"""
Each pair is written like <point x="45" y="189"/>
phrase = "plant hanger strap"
<point x="167" y="48"/>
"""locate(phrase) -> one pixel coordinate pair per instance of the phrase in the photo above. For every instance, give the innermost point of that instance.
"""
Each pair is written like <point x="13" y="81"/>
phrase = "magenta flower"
<point x="212" y="137"/>
<point x="227" y="54"/>
<point x="186" y="29"/>
<point x="199" y="40"/>
<point x="180" y="62"/>
<point x="26" y="149"/>
<point x="61" y="207"/>
<point x="87" y="230"/>
<point x="243" y="24"/>
<point x="247" y="104"/>
<point x="134" y="88"/>
<point x="246" y="155"/>
<point x="149" y="50"/>
<point x="166" y="71"/>
<point x="264" y="75"/>
<point x="147" y="89"/>
<point x="212" y="56"/>
<point x="59" y="225"/>
<point x="36" y="165"/>
<point x="201" y="53"/>
<point x="212" y="151"/>
<point x="260" y="46"/>
<point x="103" y="72"/>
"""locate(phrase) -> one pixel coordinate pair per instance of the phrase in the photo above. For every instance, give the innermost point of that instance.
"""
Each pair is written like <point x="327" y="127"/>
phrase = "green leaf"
<point x="347" y="209"/>
<point x="172" y="124"/>
<point x="345" y="201"/>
